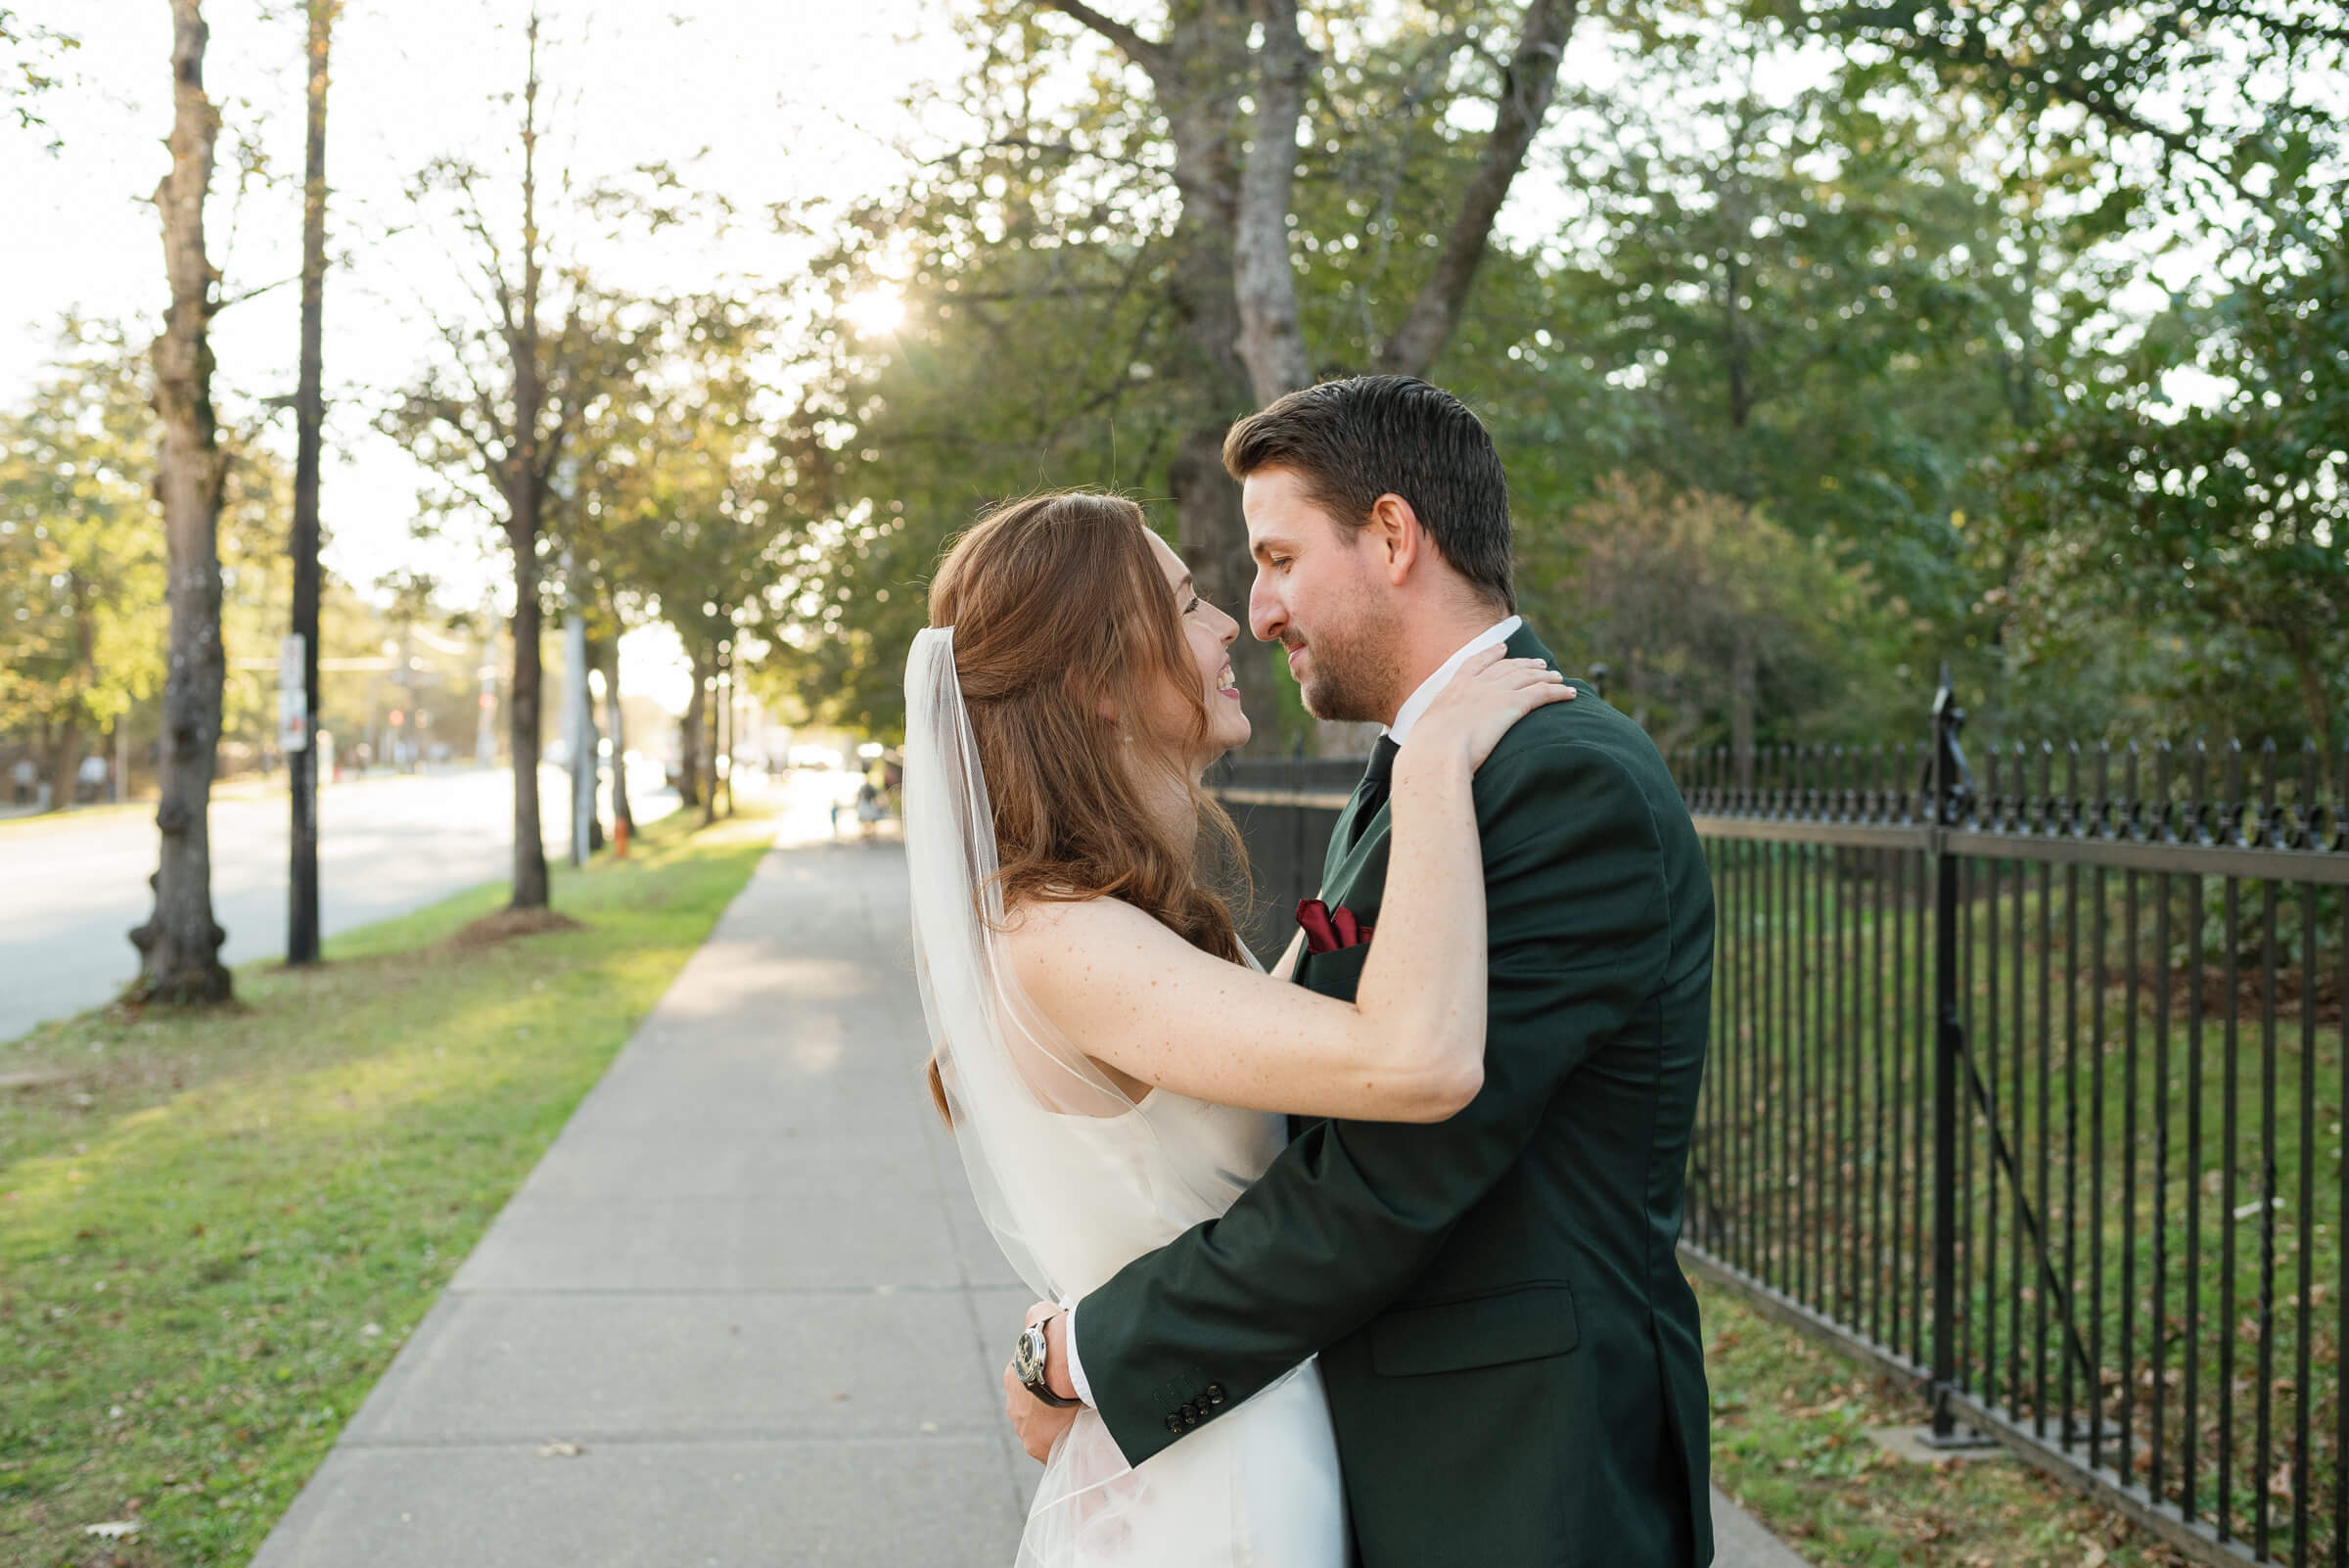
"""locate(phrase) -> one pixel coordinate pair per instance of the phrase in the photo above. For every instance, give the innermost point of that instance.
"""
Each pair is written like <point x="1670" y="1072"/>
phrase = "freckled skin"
<point x="1406" y="1047"/>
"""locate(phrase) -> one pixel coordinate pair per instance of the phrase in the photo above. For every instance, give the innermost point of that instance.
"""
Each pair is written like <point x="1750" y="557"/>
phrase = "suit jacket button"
<point x="1174" y="1423"/>
<point x="1190" y="1419"/>
<point x="1214" y="1392"/>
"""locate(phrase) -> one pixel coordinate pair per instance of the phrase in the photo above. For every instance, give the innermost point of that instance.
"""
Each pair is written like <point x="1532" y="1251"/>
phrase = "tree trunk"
<point x="726" y="719"/>
<point x="1199" y="80"/>
<point x="707" y="740"/>
<point x="591" y="754"/>
<point x="1527" y="86"/>
<point x="522" y="713"/>
<point x="1271" y="342"/>
<point x="708" y="744"/>
<point x="179" y="945"/>
<point x="1743" y="679"/>
<point x="2316" y="704"/>
<point x="1198" y="76"/>
<point x="525" y="491"/>
<point x="1232" y="286"/>
<point x="64" y="762"/>
<point x="309" y="419"/>
<point x="689" y="738"/>
<point x="1735" y="346"/>
<point x="608" y="655"/>
<point x="65" y="756"/>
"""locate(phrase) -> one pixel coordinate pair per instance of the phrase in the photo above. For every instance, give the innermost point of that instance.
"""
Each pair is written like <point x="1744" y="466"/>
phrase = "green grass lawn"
<point x="1790" y="1419"/>
<point x="218" y="1228"/>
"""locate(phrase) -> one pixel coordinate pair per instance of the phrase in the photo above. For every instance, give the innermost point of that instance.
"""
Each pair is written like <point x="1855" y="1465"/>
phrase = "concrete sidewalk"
<point x="742" y="1313"/>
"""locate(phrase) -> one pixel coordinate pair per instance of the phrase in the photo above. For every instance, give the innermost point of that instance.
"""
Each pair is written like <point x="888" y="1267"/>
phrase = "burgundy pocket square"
<point x="1327" y="930"/>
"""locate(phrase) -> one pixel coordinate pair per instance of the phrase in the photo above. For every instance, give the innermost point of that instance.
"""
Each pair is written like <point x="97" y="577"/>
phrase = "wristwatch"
<point x="1028" y="1363"/>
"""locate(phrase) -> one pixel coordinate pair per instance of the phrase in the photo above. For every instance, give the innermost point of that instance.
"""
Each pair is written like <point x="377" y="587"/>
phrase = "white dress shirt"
<point x="1416" y="703"/>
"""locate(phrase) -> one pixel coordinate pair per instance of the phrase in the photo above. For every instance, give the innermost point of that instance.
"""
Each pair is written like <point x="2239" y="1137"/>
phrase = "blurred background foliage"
<point x="1824" y="342"/>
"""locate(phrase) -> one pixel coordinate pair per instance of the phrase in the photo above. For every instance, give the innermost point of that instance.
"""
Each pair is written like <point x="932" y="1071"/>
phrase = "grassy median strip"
<point x="216" y="1230"/>
<point x="1790" y="1423"/>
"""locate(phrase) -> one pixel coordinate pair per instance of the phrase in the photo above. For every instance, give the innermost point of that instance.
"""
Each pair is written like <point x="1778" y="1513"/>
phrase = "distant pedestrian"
<point x="26" y="778"/>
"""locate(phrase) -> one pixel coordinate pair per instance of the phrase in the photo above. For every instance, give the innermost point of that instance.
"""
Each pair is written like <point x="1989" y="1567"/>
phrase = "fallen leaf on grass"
<point x="559" y="1450"/>
<point x="111" y="1528"/>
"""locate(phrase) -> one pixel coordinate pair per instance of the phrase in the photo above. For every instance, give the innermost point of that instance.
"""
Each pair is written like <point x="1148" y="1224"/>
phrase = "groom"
<point x="1510" y="1351"/>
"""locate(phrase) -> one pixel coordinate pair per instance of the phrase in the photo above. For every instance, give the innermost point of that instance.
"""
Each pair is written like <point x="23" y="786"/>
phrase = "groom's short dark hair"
<point x="1357" y="440"/>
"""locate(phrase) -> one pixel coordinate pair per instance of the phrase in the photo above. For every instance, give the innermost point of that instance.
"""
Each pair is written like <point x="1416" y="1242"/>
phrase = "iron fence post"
<point x="1947" y="802"/>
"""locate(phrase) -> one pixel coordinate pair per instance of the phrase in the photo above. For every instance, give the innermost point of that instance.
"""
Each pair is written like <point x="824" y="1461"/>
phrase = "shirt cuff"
<point x="1068" y="1340"/>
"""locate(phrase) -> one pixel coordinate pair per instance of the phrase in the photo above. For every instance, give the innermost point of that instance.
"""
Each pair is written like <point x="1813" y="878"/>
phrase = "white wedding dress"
<point x="1076" y="1180"/>
<point x="1258" y="1485"/>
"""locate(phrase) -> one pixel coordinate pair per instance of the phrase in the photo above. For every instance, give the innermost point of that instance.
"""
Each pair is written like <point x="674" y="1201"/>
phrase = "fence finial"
<point x="1949" y="783"/>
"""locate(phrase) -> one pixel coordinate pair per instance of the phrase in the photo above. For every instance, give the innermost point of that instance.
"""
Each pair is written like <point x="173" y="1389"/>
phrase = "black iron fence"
<point x="2027" y="1084"/>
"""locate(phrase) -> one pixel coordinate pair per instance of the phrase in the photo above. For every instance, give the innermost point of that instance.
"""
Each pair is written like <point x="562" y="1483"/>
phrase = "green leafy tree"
<point x="1715" y="623"/>
<point x="82" y="569"/>
<point x="30" y="52"/>
<point x="497" y="413"/>
<point x="691" y="491"/>
<point x="1140" y="198"/>
<point x="2212" y="520"/>
<point x="2226" y="521"/>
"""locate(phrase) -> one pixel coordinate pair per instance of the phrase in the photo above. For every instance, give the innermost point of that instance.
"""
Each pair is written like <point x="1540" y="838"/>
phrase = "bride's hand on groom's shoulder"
<point x="1479" y="704"/>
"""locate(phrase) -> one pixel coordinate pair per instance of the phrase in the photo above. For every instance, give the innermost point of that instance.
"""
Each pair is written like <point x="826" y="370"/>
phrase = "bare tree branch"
<point x="1526" y="89"/>
<point x="1029" y="144"/>
<point x="1151" y="57"/>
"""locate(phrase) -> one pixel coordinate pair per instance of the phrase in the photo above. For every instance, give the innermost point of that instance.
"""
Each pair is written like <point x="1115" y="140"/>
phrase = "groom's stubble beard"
<point x="1356" y="667"/>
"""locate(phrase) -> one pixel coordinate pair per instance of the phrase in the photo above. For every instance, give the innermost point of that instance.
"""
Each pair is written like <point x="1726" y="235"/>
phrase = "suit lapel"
<point x="1341" y="865"/>
<point x="1334" y="854"/>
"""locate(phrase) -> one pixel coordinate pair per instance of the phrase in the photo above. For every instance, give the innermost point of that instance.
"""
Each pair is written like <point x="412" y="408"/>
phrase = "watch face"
<point x="1027" y="1359"/>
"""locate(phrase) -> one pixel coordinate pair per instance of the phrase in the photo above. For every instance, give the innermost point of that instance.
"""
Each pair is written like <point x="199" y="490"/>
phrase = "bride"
<point x="1114" y="1064"/>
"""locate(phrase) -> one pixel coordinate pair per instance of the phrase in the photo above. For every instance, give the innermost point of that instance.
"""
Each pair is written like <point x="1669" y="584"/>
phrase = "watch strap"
<point x="1033" y="1370"/>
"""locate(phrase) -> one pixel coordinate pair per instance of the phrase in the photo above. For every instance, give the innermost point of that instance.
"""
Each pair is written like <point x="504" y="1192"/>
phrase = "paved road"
<point x="71" y="887"/>
<point x="744" y="1311"/>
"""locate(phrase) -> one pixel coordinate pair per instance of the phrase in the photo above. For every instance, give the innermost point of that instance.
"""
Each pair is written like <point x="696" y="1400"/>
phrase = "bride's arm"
<point x="1410" y="1047"/>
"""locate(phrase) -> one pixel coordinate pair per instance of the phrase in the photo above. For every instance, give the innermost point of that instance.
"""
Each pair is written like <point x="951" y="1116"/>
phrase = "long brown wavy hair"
<point x="1062" y="617"/>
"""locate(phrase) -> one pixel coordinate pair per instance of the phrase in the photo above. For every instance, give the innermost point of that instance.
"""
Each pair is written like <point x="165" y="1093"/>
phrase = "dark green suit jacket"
<point x="1510" y="1350"/>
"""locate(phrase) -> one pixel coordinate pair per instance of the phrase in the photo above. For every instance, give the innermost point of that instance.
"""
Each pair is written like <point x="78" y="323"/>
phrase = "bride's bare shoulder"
<point x="1047" y="939"/>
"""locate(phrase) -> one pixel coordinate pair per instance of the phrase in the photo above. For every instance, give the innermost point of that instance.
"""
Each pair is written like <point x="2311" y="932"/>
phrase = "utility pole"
<point x="298" y="660"/>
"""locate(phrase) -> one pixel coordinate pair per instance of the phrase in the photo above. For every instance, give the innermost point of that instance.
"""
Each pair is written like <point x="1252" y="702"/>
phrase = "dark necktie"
<point x="1377" y="779"/>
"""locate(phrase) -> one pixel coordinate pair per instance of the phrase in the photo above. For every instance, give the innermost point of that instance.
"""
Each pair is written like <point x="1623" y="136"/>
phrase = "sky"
<point x="768" y="101"/>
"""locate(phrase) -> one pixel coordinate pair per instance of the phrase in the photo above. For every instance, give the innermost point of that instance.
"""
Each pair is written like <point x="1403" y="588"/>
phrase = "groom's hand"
<point x="1039" y="1425"/>
<point x="1036" y="1424"/>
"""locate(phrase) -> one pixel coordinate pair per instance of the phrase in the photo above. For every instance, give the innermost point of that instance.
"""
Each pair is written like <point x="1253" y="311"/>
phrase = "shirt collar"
<point x="1433" y="686"/>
